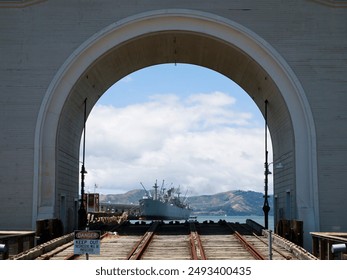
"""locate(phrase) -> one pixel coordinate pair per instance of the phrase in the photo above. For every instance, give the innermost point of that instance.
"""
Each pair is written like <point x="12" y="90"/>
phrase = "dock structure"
<point x="14" y="242"/>
<point x="175" y="240"/>
<point x="322" y="243"/>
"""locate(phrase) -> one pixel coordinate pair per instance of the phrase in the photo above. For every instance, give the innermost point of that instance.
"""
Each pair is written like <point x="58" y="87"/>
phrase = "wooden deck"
<point x="215" y="241"/>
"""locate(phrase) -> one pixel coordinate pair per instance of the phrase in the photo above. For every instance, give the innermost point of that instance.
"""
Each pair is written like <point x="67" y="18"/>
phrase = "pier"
<point x="15" y="242"/>
<point x="159" y="240"/>
<point x="322" y="245"/>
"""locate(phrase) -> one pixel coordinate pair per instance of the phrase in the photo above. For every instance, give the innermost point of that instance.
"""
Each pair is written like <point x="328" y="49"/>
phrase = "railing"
<point x="15" y="242"/>
<point x="322" y="244"/>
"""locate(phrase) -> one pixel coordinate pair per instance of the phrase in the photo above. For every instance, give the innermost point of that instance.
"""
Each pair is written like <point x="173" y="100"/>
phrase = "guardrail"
<point x="323" y="242"/>
<point x="15" y="242"/>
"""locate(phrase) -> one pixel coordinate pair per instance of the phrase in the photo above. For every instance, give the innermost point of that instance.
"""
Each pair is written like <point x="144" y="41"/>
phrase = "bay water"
<point x="238" y="219"/>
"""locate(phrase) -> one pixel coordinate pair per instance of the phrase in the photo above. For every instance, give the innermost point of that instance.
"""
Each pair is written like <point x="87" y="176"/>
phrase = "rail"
<point x="197" y="249"/>
<point x="138" y="250"/>
<point x="285" y="256"/>
<point x="162" y="241"/>
<point x="249" y="247"/>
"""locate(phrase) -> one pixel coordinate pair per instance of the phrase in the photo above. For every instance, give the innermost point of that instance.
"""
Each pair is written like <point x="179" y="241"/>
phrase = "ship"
<point x="163" y="205"/>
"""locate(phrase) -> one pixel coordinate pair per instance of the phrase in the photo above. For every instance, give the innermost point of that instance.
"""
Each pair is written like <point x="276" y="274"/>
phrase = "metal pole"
<point x="82" y="214"/>
<point x="270" y="244"/>
<point x="266" y="207"/>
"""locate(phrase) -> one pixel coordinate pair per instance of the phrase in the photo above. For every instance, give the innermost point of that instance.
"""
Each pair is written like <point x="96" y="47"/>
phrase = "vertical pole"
<point x="266" y="207"/>
<point x="82" y="214"/>
<point x="270" y="244"/>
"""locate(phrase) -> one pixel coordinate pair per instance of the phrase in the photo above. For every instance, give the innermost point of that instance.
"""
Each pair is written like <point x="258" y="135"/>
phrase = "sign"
<point x="87" y="242"/>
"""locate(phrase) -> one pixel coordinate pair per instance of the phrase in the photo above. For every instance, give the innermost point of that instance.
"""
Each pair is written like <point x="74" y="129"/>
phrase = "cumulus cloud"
<point x="199" y="142"/>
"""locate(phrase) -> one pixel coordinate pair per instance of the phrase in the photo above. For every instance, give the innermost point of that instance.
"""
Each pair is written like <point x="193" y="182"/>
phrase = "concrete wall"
<point x="38" y="40"/>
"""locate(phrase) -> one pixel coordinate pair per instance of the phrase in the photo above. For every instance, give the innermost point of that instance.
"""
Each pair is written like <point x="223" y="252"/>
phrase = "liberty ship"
<point x="163" y="205"/>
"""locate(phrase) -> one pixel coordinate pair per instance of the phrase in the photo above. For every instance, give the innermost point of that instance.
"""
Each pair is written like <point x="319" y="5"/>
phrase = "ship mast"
<point x="155" y="190"/>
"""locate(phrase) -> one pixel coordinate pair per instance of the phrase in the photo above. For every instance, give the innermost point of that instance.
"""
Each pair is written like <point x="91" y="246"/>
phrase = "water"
<point x="237" y="219"/>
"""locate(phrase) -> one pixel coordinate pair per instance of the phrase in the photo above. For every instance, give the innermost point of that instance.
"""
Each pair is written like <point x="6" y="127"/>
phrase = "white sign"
<point x="87" y="242"/>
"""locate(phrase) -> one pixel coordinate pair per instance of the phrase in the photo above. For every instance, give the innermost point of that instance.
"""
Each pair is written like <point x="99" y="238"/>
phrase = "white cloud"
<point x="126" y="79"/>
<point x="200" y="142"/>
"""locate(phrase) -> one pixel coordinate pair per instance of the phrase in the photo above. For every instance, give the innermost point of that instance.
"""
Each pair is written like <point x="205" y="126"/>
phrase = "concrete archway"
<point x="175" y="36"/>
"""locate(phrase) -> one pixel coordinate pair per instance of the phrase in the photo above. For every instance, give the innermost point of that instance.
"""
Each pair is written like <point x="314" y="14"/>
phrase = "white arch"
<point x="183" y="20"/>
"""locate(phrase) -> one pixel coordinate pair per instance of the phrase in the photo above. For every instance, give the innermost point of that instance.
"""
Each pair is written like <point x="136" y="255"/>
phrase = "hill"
<point x="231" y="203"/>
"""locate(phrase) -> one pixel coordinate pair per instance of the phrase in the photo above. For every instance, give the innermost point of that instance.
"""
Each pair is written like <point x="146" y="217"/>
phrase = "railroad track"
<point x="249" y="247"/>
<point x="182" y="241"/>
<point x="161" y="244"/>
<point x="196" y="247"/>
<point x="138" y="250"/>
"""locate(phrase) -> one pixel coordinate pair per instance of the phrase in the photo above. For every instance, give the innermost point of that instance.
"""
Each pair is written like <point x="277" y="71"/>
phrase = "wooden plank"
<point x="173" y="243"/>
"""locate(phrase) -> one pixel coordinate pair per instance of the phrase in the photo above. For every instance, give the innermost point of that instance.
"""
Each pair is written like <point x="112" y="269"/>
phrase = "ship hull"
<point x="156" y="210"/>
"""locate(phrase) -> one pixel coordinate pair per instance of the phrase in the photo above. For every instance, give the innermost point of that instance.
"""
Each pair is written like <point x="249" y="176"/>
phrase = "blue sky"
<point x="181" y="79"/>
<point x="184" y="124"/>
